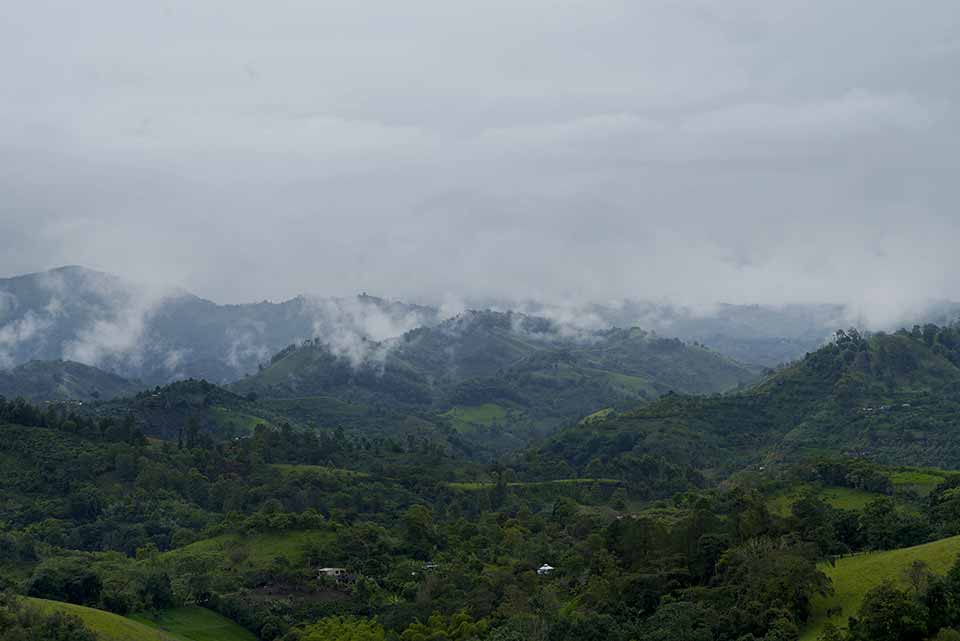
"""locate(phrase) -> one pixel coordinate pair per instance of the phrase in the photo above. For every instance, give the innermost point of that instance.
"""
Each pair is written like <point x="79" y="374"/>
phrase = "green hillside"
<point x="112" y="627"/>
<point x="64" y="381"/>
<point x="193" y="623"/>
<point x="422" y="365"/>
<point x="889" y="397"/>
<point x="711" y="512"/>
<point x="519" y="375"/>
<point x="189" y="623"/>
<point x="853" y="576"/>
<point x="167" y="411"/>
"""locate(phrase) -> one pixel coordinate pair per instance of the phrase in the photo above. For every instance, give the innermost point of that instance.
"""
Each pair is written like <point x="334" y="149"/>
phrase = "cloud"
<point x="113" y="328"/>
<point x="246" y="342"/>
<point x="8" y="304"/>
<point x="695" y="152"/>
<point x="359" y="329"/>
<point x="27" y="328"/>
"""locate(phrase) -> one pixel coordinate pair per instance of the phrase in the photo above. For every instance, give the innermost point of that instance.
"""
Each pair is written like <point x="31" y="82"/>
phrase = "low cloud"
<point x="29" y="328"/>
<point x="246" y="343"/>
<point x="693" y="153"/>
<point x="359" y="329"/>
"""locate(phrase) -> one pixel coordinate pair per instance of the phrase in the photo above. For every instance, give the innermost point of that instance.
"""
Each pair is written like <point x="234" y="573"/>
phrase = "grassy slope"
<point x="240" y="422"/>
<point x="64" y="380"/>
<point x="470" y="417"/>
<point x="890" y="396"/>
<point x="196" y="624"/>
<point x="920" y="481"/>
<point x="109" y="626"/>
<point x="258" y="550"/>
<point x="853" y="576"/>
<point x="843" y="498"/>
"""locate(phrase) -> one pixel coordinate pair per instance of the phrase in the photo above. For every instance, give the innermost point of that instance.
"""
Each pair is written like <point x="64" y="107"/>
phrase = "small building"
<point x="545" y="569"/>
<point x="336" y="574"/>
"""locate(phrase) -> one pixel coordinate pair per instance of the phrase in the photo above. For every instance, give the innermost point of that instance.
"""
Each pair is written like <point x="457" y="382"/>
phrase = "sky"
<point x="765" y="151"/>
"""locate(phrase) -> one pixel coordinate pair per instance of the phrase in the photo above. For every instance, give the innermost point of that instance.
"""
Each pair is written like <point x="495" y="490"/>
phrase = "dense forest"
<point x="708" y="518"/>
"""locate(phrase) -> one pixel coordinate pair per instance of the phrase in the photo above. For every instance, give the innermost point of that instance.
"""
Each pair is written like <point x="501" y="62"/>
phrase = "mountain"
<point x="63" y="381"/>
<point x="166" y="412"/>
<point x="892" y="398"/>
<point x="162" y="334"/>
<point x="504" y="371"/>
<point x="158" y="334"/>
<point x="766" y="335"/>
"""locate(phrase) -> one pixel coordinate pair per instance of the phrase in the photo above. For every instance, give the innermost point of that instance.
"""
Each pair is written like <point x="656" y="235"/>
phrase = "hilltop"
<point x="167" y="412"/>
<point x="524" y="370"/>
<point x="64" y="381"/>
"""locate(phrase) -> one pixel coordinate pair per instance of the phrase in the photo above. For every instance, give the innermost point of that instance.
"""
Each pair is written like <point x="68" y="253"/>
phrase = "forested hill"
<point x="887" y="397"/>
<point x="510" y="362"/>
<point x="63" y="381"/>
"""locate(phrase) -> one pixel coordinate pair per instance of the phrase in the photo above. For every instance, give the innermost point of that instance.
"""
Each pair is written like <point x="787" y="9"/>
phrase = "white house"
<point x="337" y="574"/>
<point x="545" y="569"/>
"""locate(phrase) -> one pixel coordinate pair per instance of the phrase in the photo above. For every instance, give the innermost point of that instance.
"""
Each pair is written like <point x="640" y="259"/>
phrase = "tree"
<point x="419" y="531"/>
<point x="916" y="575"/>
<point x="889" y="614"/>
<point x="679" y="621"/>
<point x="879" y="522"/>
<point x="339" y="629"/>
<point x="21" y="622"/>
<point x="773" y="578"/>
<point x="830" y="633"/>
<point x="458" y="627"/>
<point x="65" y="579"/>
<point x="156" y="591"/>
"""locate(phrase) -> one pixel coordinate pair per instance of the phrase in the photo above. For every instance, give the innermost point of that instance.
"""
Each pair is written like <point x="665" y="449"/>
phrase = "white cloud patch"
<point x="8" y="304"/>
<point x="360" y="329"/>
<point x="246" y="343"/>
<point x="28" y="328"/>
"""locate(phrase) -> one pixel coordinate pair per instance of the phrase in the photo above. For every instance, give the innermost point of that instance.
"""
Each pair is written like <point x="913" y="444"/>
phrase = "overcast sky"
<point x="738" y="150"/>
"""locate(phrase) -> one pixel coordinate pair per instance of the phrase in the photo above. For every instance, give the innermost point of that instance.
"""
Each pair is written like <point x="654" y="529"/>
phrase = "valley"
<point x="490" y="476"/>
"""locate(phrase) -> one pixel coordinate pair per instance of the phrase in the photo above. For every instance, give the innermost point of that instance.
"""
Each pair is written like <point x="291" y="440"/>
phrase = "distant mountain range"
<point x="158" y="335"/>
<point x="498" y="380"/>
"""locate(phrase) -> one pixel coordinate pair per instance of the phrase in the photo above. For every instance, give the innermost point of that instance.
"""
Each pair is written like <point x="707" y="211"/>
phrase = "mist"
<point x="558" y="152"/>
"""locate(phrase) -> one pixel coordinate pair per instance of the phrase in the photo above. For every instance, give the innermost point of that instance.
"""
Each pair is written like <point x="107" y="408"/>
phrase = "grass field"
<point x="241" y="423"/>
<point x="597" y="416"/>
<point x="631" y="384"/>
<point x="853" y="576"/>
<point x="839" y="497"/>
<point x="920" y="481"/>
<point x="196" y="624"/>
<point x="109" y="626"/>
<point x="233" y="551"/>
<point x="467" y="417"/>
